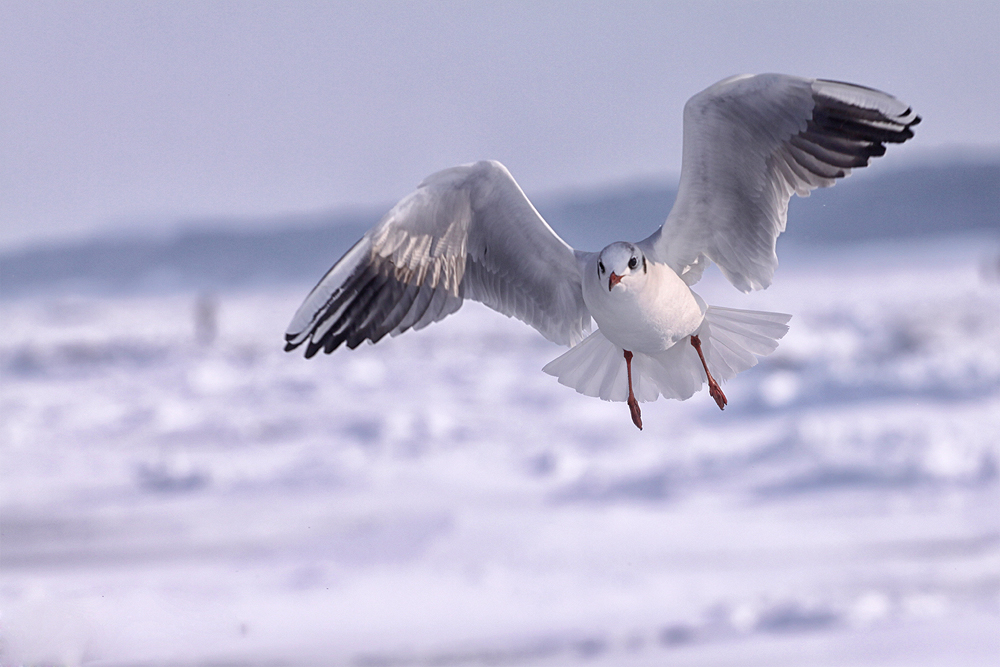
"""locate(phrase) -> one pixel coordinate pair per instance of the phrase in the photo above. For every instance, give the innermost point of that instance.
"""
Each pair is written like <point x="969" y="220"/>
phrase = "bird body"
<point x="469" y="232"/>
<point x="648" y="309"/>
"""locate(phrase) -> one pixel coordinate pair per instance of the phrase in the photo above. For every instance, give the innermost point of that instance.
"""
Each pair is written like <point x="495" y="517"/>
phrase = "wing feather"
<point x="466" y="232"/>
<point x="750" y="143"/>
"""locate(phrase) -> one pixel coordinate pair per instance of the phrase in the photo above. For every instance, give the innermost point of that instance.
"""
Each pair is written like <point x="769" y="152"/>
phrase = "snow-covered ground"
<point x="437" y="500"/>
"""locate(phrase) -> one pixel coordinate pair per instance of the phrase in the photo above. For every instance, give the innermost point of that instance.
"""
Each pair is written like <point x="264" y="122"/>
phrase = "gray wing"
<point x="466" y="233"/>
<point x="750" y="142"/>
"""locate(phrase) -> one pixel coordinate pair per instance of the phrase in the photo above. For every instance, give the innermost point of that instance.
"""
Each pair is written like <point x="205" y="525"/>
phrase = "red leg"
<point x="713" y="387"/>
<point x="633" y="405"/>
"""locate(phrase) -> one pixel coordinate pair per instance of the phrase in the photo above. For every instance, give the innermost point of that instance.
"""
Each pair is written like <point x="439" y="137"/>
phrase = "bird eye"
<point x="632" y="263"/>
<point x="600" y="267"/>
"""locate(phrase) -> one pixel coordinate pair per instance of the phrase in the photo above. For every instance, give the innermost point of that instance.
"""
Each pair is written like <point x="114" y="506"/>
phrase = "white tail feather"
<point x="731" y="340"/>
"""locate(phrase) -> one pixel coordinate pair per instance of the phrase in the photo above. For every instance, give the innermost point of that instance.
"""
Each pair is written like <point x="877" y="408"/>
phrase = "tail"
<point x="731" y="340"/>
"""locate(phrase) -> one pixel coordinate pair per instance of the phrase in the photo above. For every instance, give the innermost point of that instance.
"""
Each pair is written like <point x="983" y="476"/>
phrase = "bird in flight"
<point x="469" y="232"/>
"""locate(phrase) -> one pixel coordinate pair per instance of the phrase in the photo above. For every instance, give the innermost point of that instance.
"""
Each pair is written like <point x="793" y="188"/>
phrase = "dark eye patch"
<point x="600" y="267"/>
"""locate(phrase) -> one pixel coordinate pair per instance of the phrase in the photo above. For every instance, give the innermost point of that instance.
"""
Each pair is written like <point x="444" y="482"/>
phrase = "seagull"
<point x="469" y="232"/>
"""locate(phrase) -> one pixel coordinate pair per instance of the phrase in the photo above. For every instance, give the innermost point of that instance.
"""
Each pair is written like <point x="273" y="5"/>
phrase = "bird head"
<point x="621" y="264"/>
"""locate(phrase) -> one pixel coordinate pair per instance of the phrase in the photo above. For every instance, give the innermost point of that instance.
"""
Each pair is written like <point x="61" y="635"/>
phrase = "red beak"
<point x="613" y="280"/>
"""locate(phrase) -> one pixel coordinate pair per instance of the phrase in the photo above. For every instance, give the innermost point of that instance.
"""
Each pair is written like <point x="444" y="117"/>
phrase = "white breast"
<point x="644" y="313"/>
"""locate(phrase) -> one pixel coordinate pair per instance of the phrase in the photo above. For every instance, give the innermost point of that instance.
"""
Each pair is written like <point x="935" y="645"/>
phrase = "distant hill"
<point x="908" y="203"/>
<point x="919" y="201"/>
<point x="193" y="258"/>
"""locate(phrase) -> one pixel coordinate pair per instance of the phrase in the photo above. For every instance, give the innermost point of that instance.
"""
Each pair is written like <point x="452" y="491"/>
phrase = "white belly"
<point x="645" y="316"/>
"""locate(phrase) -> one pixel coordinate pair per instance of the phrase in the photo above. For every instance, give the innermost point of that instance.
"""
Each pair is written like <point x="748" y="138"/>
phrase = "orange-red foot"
<point x="633" y="406"/>
<point x="716" y="392"/>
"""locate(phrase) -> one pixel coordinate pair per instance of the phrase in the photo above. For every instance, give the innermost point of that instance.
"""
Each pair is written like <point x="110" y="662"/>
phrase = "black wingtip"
<point x="331" y="342"/>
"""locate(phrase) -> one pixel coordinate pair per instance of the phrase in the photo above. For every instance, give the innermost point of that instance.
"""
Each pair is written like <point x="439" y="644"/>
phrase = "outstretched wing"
<point x="750" y="142"/>
<point x="466" y="233"/>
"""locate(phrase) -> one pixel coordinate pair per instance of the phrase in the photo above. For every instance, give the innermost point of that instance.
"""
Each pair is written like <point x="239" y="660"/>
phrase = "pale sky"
<point x="126" y="115"/>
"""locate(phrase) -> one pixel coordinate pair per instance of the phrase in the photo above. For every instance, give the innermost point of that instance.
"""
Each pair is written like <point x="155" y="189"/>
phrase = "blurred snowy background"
<point x="177" y="490"/>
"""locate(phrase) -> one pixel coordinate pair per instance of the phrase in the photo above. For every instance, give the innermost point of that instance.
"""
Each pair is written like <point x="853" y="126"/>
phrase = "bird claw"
<point x="715" y="391"/>
<point x="633" y="406"/>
